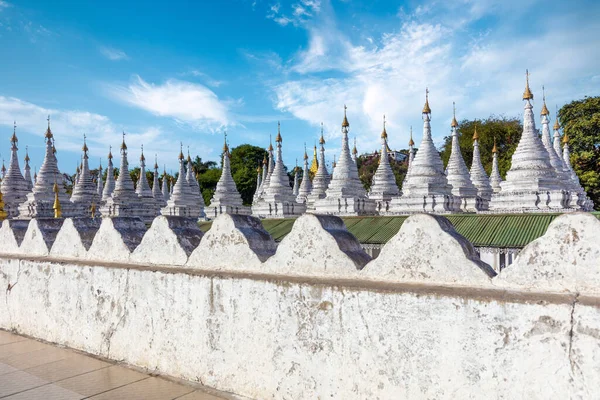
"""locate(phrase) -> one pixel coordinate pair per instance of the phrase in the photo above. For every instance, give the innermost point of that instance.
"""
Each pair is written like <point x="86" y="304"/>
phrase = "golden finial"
<point x="181" y="157"/>
<point x="189" y="159"/>
<point x="322" y="139"/>
<point x="258" y="169"/>
<point x="426" y="108"/>
<point x="56" y="207"/>
<point x="155" y="161"/>
<point x="142" y="158"/>
<point x="494" y="149"/>
<point x="475" y="134"/>
<point x="84" y="148"/>
<point x="27" y="154"/>
<point x="278" y="138"/>
<point x="265" y="160"/>
<point x="305" y="154"/>
<point x="556" y="124"/>
<point x="93" y="210"/>
<point x="411" y="143"/>
<point x="565" y="139"/>
<point x="123" y="145"/>
<point x="48" y="131"/>
<point x="384" y="133"/>
<point x="527" y="95"/>
<point x="77" y="169"/>
<point x="334" y="164"/>
<point x="544" y="108"/>
<point x="454" y="123"/>
<point x="355" y="150"/>
<point x="53" y="147"/>
<point x="225" y="147"/>
<point x="270" y="143"/>
<point x="345" y="123"/>
<point x="110" y="153"/>
<point x="14" y="139"/>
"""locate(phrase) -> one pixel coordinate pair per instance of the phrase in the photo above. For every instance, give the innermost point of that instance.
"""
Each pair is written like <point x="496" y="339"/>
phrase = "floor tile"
<point x="37" y="357"/>
<point x="75" y="365"/>
<point x="5" y="368"/>
<point x="102" y="380"/>
<point x="148" y="389"/>
<point x="46" y="392"/>
<point x="7" y="337"/>
<point x="24" y="346"/>
<point x="18" y="381"/>
<point x="199" y="395"/>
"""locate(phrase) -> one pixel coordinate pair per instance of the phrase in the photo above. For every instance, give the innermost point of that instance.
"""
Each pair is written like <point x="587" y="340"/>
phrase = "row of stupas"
<point x="540" y="179"/>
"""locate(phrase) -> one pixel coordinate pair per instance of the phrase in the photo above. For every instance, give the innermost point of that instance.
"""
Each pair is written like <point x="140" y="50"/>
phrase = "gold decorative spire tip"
<point x="383" y="133"/>
<point x="426" y="108"/>
<point x="494" y="149"/>
<point x="454" y="123"/>
<point x="544" y="108"/>
<point x="475" y="134"/>
<point x="345" y="123"/>
<point x="527" y="95"/>
<point x="278" y="138"/>
<point x="411" y="142"/>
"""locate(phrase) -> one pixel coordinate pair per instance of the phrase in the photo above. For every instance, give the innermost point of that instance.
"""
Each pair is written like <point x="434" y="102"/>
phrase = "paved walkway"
<point x="31" y="370"/>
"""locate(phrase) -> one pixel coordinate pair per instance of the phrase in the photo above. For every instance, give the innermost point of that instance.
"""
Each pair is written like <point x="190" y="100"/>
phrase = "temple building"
<point x="14" y="186"/>
<point x="531" y="184"/>
<point x="383" y="187"/>
<point x="85" y="192"/>
<point x="463" y="190"/>
<point x="345" y="194"/>
<point x="226" y="198"/>
<point x="278" y="200"/>
<point x="40" y="201"/>
<point x="426" y="187"/>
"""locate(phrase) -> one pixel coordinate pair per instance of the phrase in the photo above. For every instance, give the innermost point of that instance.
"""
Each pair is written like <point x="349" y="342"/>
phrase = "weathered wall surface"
<point x="314" y="332"/>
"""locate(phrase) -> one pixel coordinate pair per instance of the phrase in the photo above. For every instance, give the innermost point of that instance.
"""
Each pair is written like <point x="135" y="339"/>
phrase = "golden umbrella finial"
<point x="426" y="108"/>
<point x="181" y="157"/>
<point x="305" y="153"/>
<point x="527" y="95"/>
<point x="48" y="131"/>
<point x="475" y="134"/>
<point x="544" y="108"/>
<point x="383" y="133"/>
<point x="322" y="139"/>
<point x="225" y="147"/>
<point x="123" y="145"/>
<point x="411" y="142"/>
<point x="494" y="149"/>
<point x="556" y="124"/>
<point x="278" y="138"/>
<point x="57" y="208"/>
<point x="14" y="139"/>
<point x="565" y="139"/>
<point x="454" y="123"/>
<point x="345" y="123"/>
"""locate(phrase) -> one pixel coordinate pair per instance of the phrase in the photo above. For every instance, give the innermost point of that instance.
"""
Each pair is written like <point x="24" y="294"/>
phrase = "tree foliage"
<point x="367" y="166"/>
<point x="580" y="121"/>
<point x="244" y="160"/>
<point x="507" y="132"/>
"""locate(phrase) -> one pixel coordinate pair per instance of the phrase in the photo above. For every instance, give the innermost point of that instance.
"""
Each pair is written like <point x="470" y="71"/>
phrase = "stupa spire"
<point x="306" y="185"/>
<point x="14" y="186"/>
<point x="85" y="191"/>
<point x="192" y="179"/>
<point x="478" y="175"/>
<point x="159" y="199"/>
<point x="182" y="201"/>
<point x="458" y="173"/>
<point x="495" y="178"/>
<point x="355" y="151"/>
<point x="165" y="184"/>
<point x="321" y="179"/>
<point x="226" y="198"/>
<point x="28" y="180"/>
<point x="296" y="187"/>
<point x="56" y="207"/>
<point x="109" y="186"/>
<point x="100" y="186"/>
<point x="383" y="187"/>
<point x="554" y="157"/>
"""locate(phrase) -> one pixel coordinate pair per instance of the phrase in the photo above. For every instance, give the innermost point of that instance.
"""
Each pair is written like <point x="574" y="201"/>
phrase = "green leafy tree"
<point x="507" y="132"/>
<point x="208" y="183"/>
<point x="580" y="121"/>
<point x="244" y="160"/>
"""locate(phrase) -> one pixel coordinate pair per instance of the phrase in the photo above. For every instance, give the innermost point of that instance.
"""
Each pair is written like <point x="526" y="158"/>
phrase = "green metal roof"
<point x="483" y="230"/>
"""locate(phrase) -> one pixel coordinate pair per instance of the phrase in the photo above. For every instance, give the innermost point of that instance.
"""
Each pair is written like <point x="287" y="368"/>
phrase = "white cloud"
<point x="298" y="13"/>
<point x="482" y="70"/>
<point x="113" y="54"/>
<point x="205" y="77"/>
<point x="69" y="126"/>
<point x="4" y="4"/>
<point x="186" y="102"/>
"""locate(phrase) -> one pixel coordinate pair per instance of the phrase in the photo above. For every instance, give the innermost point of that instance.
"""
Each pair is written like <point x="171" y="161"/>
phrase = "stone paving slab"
<point x="32" y="370"/>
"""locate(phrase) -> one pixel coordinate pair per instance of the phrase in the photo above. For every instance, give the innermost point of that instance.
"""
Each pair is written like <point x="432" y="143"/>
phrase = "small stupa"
<point x="14" y="186"/>
<point x="383" y="187"/>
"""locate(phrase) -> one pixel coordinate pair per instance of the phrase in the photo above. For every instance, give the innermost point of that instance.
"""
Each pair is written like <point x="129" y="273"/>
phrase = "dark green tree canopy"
<point x="245" y="159"/>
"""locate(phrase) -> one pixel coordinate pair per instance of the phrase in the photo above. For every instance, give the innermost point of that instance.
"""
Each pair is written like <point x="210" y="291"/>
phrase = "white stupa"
<point x="478" y="175"/>
<point x="182" y="202"/>
<point x="345" y="194"/>
<point x="306" y="185"/>
<point x="14" y="186"/>
<point x="85" y="191"/>
<point x="383" y="186"/>
<point x="109" y="185"/>
<point x="495" y="178"/>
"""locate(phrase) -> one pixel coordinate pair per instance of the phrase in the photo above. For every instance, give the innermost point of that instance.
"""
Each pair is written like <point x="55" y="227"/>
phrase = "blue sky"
<point x="185" y="71"/>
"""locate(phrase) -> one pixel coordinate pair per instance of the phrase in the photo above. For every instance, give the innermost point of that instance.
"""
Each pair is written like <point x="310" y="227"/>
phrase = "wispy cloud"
<point x="4" y="4"/>
<point x="69" y="126"/>
<point x="113" y="54"/>
<point x="205" y="78"/>
<point x="186" y="102"/>
<point x="298" y="13"/>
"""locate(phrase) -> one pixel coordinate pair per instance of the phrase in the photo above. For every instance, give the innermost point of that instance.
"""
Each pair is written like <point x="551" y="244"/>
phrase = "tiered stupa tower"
<point x="306" y="185"/>
<point x="278" y="200"/>
<point x="194" y="187"/>
<point x="495" y="178"/>
<point x="109" y="186"/>
<point x="296" y="187"/>
<point x="182" y="203"/>
<point x="157" y="193"/>
<point x="40" y="201"/>
<point x="479" y="176"/>
<point x="226" y="198"/>
<point x="463" y="190"/>
<point x="14" y="186"/>
<point x="345" y="194"/>
<point x="579" y="199"/>
<point x="124" y="201"/>
<point x="99" y="184"/>
<point x="383" y="187"/>
<point x="411" y="157"/>
<point x="85" y="192"/>
<point x="555" y="158"/>
<point x="426" y="187"/>
<point x="145" y="194"/>
<point x="28" y="170"/>
<point x="322" y="178"/>
<point x="165" y="186"/>
<point x="531" y="183"/>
